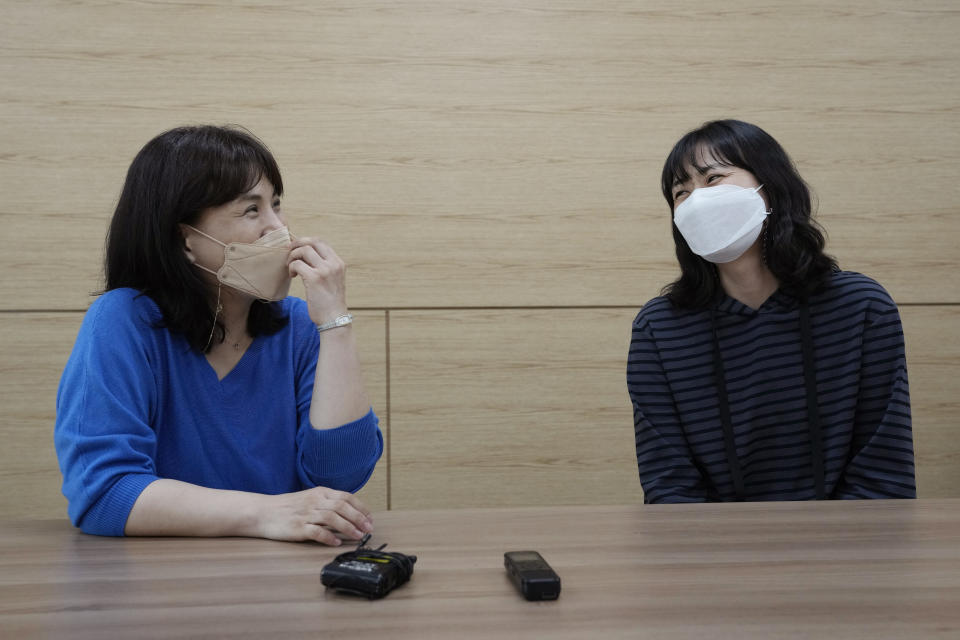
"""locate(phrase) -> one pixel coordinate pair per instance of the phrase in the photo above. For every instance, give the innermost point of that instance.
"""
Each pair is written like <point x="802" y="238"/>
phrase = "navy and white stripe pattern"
<point x="861" y="381"/>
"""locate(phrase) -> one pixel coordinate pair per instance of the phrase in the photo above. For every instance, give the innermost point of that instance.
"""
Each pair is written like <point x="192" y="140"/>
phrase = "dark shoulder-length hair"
<point x="175" y="177"/>
<point x="793" y="241"/>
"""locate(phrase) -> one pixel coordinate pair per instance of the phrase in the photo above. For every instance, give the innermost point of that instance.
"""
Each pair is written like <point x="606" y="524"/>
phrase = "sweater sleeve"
<point x="667" y="469"/>
<point x="342" y="458"/>
<point x="881" y="461"/>
<point x="105" y="444"/>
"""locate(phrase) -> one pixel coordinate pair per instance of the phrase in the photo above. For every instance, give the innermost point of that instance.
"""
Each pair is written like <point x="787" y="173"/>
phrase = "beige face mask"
<point x="259" y="269"/>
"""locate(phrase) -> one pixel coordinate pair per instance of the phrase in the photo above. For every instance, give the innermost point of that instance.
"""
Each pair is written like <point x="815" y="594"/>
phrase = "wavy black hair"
<point x="175" y="177"/>
<point x="794" y="242"/>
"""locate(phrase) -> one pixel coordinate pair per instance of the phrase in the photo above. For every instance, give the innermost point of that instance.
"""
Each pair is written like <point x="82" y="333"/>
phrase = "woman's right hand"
<point x="314" y="514"/>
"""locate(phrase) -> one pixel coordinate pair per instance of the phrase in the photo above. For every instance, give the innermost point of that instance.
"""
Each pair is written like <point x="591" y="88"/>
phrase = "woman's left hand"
<point x="324" y="277"/>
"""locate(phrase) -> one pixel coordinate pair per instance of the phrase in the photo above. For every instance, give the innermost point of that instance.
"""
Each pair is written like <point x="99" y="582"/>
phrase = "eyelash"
<point x="254" y="209"/>
<point x="709" y="180"/>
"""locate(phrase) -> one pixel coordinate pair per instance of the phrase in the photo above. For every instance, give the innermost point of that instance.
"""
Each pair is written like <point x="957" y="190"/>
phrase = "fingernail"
<point x="336" y="542"/>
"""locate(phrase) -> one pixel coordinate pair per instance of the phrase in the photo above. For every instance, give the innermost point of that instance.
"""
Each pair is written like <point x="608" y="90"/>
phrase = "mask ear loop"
<point x="200" y="266"/>
<point x="216" y="314"/>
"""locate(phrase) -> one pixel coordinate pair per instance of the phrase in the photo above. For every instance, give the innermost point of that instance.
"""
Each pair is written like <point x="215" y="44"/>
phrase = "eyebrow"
<point x="701" y="170"/>
<point x="704" y="169"/>
<point x="252" y="196"/>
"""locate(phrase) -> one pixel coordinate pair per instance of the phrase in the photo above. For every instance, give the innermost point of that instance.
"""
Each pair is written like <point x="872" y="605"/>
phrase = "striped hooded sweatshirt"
<point x="852" y="396"/>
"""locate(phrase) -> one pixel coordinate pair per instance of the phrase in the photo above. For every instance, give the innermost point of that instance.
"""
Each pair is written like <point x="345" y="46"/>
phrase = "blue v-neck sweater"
<point x="137" y="403"/>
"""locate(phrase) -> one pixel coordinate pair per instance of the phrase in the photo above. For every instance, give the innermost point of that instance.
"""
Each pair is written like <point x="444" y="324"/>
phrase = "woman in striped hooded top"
<point x="763" y="372"/>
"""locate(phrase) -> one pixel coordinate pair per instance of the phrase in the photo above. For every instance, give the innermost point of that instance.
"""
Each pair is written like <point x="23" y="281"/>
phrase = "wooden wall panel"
<point x="514" y="407"/>
<point x="933" y="362"/>
<point x="524" y="407"/>
<point x="485" y="154"/>
<point x="35" y="348"/>
<point x="464" y="157"/>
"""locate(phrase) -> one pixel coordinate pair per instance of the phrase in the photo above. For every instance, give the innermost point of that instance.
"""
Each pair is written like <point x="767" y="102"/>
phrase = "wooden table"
<point x="881" y="569"/>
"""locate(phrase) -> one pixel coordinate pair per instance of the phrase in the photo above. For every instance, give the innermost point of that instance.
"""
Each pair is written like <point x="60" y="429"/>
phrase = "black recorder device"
<point x="532" y="576"/>
<point x="371" y="573"/>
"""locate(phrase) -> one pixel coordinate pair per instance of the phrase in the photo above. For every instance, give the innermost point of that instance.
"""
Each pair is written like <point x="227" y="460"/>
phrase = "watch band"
<point x="340" y="321"/>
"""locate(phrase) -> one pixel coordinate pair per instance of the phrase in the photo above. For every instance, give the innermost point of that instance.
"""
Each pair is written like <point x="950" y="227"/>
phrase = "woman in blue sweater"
<point x="199" y="399"/>
<point x="763" y="372"/>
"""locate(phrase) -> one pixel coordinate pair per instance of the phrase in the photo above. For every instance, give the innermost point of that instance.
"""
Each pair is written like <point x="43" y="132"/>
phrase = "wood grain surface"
<point x="862" y="569"/>
<point x="530" y="407"/>
<point x="506" y="407"/>
<point x="491" y="167"/>
<point x="511" y="408"/>
<point x="933" y="363"/>
<point x="505" y="153"/>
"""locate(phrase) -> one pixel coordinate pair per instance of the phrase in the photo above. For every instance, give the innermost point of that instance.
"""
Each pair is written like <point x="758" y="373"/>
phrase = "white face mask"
<point x="259" y="269"/>
<point x="720" y="223"/>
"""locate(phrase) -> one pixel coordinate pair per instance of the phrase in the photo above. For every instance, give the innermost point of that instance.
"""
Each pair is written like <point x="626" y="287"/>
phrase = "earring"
<point x="216" y="314"/>
<point x="763" y="245"/>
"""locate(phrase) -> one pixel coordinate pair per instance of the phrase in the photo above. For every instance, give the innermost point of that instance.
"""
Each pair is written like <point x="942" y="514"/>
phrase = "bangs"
<point x="712" y="144"/>
<point x="237" y="168"/>
<point x="215" y="165"/>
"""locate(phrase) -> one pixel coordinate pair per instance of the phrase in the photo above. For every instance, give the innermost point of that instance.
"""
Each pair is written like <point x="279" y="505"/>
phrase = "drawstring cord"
<point x="731" y="449"/>
<point x="813" y="409"/>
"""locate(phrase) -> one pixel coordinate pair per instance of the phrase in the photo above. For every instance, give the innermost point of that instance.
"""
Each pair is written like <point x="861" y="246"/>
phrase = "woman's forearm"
<point x="339" y="395"/>
<point x="173" y="508"/>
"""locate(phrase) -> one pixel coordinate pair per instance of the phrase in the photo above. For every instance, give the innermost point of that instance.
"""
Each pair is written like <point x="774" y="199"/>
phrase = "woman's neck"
<point x="748" y="279"/>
